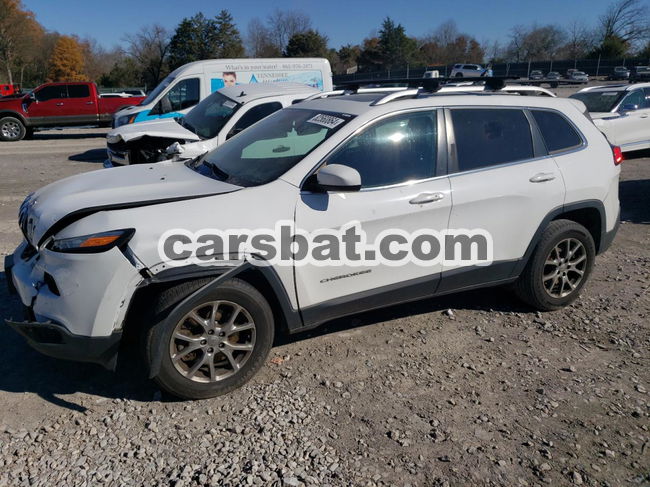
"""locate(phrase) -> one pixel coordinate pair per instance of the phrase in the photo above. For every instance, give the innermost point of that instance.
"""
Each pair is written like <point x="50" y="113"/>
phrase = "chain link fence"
<point x="593" y="67"/>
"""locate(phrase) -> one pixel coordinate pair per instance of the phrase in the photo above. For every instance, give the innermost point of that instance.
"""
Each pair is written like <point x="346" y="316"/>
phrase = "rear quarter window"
<point x="557" y="132"/>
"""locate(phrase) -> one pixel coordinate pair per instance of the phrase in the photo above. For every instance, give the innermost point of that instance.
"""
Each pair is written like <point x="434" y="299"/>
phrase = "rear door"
<point x="501" y="181"/>
<point x="80" y="106"/>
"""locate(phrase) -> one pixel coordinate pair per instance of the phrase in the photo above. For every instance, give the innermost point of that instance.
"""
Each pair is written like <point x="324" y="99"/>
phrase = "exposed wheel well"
<point x="590" y="218"/>
<point x="138" y="308"/>
<point x="14" y="115"/>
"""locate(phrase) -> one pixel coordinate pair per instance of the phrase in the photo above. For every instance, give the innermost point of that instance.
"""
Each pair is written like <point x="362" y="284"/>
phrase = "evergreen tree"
<point x="307" y="44"/>
<point x="397" y="49"/>
<point x="227" y="42"/>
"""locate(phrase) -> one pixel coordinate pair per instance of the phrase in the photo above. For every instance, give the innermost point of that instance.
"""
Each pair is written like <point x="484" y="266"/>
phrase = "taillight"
<point x="618" y="155"/>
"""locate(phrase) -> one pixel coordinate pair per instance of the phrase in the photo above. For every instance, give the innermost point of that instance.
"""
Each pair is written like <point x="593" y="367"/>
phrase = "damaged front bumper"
<point x="76" y="303"/>
<point x="55" y="341"/>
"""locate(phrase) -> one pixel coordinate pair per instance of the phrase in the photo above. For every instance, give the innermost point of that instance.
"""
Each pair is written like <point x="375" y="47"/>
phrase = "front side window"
<point x="208" y="117"/>
<point x="395" y="150"/>
<point x="487" y="137"/>
<point x="636" y="98"/>
<point x="558" y="134"/>
<point x="52" y="92"/>
<point x="271" y="147"/>
<point x="184" y="94"/>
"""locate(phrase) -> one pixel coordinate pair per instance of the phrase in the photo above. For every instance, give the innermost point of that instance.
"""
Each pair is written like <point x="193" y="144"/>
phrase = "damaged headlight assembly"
<point x="93" y="243"/>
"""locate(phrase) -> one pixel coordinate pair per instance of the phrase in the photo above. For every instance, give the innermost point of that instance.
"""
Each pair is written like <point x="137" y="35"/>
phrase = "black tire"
<point x="12" y="129"/>
<point x="530" y="286"/>
<point x="459" y="75"/>
<point x="170" y="311"/>
<point x="29" y="134"/>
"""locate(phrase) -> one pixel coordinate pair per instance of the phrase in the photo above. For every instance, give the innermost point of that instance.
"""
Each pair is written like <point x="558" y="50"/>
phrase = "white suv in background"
<point x="209" y="124"/>
<point x="469" y="71"/>
<point x="532" y="172"/>
<point x="621" y="112"/>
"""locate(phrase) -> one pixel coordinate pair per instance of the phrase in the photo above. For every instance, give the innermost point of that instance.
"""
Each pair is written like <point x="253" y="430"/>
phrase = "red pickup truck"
<point x="58" y="105"/>
<point x="6" y="90"/>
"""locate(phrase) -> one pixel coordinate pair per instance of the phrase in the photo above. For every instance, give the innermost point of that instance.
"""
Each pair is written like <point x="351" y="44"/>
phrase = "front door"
<point x="404" y="189"/>
<point x="49" y="107"/>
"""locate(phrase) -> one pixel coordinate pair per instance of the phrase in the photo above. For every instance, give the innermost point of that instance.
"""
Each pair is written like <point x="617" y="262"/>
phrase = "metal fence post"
<point x="598" y="65"/>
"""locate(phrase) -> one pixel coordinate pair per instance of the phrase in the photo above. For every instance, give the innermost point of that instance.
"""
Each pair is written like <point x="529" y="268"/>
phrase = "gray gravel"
<point x="470" y="389"/>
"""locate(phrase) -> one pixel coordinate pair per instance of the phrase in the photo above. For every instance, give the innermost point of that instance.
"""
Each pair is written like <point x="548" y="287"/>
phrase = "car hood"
<point x="55" y="206"/>
<point x="163" y="127"/>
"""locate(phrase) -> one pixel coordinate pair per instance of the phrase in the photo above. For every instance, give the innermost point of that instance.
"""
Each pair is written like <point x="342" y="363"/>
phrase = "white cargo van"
<point x="191" y="83"/>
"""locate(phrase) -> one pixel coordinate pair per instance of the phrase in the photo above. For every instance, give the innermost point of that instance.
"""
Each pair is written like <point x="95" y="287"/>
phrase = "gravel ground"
<point x="470" y="389"/>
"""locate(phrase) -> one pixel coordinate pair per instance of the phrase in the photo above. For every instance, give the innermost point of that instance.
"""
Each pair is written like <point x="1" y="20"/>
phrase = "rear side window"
<point x="487" y="137"/>
<point x="78" y="91"/>
<point x="557" y="132"/>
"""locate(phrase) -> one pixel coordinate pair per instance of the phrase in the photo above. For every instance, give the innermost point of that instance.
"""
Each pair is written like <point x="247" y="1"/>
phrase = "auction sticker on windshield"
<point x="328" y="121"/>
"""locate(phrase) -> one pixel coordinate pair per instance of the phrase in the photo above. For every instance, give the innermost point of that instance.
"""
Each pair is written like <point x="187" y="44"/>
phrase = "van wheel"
<point x="11" y="129"/>
<point x="559" y="266"/>
<point x="211" y="344"/>
<point x="459" y="75"/>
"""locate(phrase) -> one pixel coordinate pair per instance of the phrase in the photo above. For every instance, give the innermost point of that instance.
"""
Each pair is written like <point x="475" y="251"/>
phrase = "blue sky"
<point x="342" y="21"/>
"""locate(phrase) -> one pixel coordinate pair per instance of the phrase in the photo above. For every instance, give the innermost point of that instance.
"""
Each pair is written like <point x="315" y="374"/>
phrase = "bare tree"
<point x="535" y="43"/>
<point x="579" y="41"/>
<point x="149" y="48"/>
<point x="258" y="40"/>
<point x="284" y="24"/>
<point x="627" y="20"/>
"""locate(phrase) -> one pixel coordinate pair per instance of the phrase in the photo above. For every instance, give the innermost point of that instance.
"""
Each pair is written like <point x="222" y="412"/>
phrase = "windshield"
<point x="157" y="90"/>
<point x="208" y="117"/>
<point x="271" y="147"/>
<point x="599" y="101"/>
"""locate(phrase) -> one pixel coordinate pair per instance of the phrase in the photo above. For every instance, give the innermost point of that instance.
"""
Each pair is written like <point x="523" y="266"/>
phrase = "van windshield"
<point x="599" y="101"/>
<point x="157" y="90"/>
<point x="208" y="117"/>
<point x="271" y="147"/>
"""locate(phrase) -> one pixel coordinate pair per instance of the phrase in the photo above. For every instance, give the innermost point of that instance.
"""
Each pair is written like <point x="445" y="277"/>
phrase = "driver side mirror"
<point x="32" y="97"/>
<point x="628" y="107"/>
<point x="337" y="177"/>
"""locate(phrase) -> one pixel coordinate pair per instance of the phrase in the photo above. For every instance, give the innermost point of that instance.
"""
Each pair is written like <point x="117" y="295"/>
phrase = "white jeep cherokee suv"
<point x="534" y="172"/>
<point x="621" y="112"/>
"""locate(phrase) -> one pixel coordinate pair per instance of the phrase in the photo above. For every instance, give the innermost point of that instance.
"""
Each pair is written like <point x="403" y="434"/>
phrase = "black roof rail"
<point x="430" y="85"/>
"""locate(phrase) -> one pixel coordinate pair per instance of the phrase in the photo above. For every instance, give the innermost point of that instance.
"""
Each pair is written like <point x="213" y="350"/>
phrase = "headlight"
<point x="125" y="120"/>
<point x="113" y="139"/>
<point x="96" y="242"/>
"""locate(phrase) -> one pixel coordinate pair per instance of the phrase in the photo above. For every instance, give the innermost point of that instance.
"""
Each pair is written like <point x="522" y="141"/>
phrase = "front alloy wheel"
<point x="213" y="341"/>
<point x="208" y="339"/>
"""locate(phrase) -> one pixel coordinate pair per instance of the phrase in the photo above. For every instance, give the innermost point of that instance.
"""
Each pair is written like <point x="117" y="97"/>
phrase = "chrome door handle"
<point x="90" y="103"/>
<point x="59" y="104"/>
<point x="427" y="198"/>
<point x="542" y="177"/>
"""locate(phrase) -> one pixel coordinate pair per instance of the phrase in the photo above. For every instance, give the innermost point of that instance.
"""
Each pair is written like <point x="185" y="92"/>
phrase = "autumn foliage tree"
<point x="67" y="61"/>
<point x="20" y="36"/>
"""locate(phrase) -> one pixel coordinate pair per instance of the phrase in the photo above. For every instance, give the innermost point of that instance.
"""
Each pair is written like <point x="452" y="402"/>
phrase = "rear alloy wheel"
<point x="564" y="268"/>
<point x="209" y="343"/>
<point x="559" y="266"/>
<point x="11" y="129"/>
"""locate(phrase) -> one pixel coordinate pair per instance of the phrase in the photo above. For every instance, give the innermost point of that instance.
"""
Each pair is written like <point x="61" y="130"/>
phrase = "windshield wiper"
<point x="221" y="174"/>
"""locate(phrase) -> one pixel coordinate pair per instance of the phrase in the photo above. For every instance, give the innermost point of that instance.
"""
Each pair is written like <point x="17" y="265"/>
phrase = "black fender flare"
<point x="552" y="215"/>
<point x="292" y="317"/>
